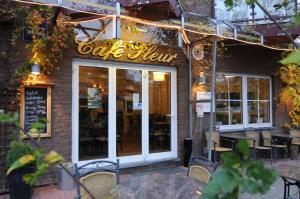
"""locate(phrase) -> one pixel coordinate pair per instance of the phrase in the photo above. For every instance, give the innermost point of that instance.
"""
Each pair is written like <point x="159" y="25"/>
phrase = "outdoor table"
<point x="234" y="136"/>
<point x="289" y="173"/>
<point x="159" y="185"/>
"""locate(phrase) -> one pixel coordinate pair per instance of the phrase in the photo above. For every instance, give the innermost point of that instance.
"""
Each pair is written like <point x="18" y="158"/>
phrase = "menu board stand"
<point x="35" y="104"/>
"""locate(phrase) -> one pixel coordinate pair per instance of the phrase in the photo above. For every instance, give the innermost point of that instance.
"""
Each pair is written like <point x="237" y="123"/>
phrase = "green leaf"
<point x="297" y="19"/>
<point x="231" y="160"/>
<point x="20" y="163"/>
<point x="249" y="2"/>
<point x="293" y="58"/>
<point x="228" y="3"/>
<point x="243" y="147"/>
<point x="32" y="178"/>
<point x="53" y="157"/>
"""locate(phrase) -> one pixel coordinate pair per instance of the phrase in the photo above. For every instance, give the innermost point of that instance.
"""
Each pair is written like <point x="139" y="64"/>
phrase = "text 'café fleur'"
<point x="119" y="48"/>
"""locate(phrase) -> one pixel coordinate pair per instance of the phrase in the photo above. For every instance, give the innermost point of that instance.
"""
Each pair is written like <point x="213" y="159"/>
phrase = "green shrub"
<point x="17" y="150"/>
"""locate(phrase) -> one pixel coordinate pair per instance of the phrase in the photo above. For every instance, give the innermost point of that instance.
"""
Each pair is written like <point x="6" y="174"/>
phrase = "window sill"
<point x="241" y="127"/>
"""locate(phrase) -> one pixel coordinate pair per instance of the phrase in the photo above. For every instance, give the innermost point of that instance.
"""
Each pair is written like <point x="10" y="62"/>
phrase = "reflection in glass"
<point x="252" y="112"/>
<point x="252" y="88"/>
<point x="264" y="89"/>
<point x="129" y="112"/>
<point x="93" y="113"/>
<point x="236" y="112"/>
<point x="235" y="88"/>
<point x="222" y="112"/>
<point x="258" y="94"/>
<point x="229" y="100"/>
<point x="159" y="113"/>
<point x="221" y="88"/>
<point x="264" y="113"/>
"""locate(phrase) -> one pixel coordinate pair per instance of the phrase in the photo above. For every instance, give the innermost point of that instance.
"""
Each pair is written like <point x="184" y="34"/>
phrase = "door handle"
<point x="169" y="115"/>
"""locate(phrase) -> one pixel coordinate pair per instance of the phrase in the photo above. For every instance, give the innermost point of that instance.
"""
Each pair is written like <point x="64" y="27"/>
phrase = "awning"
<point x="191" y="25"/>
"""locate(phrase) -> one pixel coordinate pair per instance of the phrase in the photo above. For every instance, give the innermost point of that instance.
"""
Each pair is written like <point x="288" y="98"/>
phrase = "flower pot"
<point x="18" y="189"/>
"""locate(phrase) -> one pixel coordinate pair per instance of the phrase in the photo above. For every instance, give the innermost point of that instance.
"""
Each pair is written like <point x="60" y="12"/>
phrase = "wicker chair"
<point x="216" y="144"/>
<point x="100" y="178"/>
<point x="200" y="168"/>
<point x="267" y="138"/>
<point x="296" y="140"/>
<point x="253" y="142"/>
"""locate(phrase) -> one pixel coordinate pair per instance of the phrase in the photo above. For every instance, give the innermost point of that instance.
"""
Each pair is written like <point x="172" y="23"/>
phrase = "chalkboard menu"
<point x="36" y="105"/>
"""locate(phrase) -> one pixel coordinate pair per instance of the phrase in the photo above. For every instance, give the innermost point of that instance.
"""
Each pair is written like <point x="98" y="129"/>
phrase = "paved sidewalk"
<point x="276" y="191"/>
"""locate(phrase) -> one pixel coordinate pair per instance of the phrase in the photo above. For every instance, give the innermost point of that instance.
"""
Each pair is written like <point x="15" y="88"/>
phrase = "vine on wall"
<point x="290" y="93"/>
<point x="50" y="40"/>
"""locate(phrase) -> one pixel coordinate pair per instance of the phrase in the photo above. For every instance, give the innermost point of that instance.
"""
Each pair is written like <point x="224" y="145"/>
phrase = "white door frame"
<point x="145" y="157"/>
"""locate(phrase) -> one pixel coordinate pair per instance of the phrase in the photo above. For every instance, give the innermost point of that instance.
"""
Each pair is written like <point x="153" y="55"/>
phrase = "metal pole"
<point x="212" y="100"/>
<point x="118" y="21"/>
<point x="190" y="93"/>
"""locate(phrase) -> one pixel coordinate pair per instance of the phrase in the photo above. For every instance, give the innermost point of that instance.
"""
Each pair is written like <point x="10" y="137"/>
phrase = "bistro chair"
<point x="201" y="168"/>
<point x="296" y="140"/>
<point x="267" y="141"/>
<point x="100" y="178"/>
<point x="216" y="148"/>
<point x="253" y="142"/>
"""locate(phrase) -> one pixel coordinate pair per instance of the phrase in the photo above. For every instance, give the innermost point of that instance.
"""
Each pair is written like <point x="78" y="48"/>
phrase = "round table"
<point x="159" y="186"/>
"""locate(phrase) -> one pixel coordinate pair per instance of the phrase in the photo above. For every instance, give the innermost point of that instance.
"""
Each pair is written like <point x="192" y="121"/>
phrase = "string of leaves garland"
<point x="50" y="40"/>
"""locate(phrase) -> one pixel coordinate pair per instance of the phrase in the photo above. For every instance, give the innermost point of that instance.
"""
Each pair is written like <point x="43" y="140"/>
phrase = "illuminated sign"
<point x="119" y="49"/>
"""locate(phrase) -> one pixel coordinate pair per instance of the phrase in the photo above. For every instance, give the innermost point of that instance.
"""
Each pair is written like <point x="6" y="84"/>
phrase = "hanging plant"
<point x="48" y="48"/>
<point x="50" y="40"/>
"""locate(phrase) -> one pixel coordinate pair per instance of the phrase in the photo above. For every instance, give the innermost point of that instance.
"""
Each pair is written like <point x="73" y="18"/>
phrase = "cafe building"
<point x="136" y="86"/>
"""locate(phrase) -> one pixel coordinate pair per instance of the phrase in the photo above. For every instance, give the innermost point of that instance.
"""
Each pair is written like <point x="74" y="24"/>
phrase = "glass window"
<point x="93" y="113"/>
<point x="229" y="100"/>
<point x="258" y="99"/>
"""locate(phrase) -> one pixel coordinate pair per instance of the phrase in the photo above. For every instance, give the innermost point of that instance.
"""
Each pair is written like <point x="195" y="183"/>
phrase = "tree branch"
<point x="277" y="24"/>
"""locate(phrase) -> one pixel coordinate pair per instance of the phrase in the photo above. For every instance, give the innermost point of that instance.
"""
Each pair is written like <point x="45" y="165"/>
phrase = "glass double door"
<point x="125" y="112"/>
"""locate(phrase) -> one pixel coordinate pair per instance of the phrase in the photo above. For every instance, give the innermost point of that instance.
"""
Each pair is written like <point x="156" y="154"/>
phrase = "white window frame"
<point x="126" y="161"/>
<point x="245" y="124"/>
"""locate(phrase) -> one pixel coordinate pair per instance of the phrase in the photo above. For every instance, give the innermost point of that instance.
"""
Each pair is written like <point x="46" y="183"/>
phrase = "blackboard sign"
<point x="36" y="105"/>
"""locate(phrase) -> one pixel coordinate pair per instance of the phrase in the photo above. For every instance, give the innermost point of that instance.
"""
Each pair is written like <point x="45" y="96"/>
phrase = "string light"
<point x="242" y="41"/>
<point x="89" y="20"/>
<point x="146" y="22"/>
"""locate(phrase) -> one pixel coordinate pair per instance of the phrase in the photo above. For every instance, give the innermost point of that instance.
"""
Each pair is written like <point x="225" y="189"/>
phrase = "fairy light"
<point x="146" y="22"/>
<point x="89" y="20"/>
<point x="247" y="42"/>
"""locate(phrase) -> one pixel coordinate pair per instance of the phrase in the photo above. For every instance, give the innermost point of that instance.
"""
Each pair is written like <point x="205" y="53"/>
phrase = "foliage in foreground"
<point x="238" y="175"/>
<point x="22" y="154"/>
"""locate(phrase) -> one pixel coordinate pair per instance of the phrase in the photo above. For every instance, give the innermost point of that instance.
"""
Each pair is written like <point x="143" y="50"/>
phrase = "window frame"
<point x="245" y="124"/>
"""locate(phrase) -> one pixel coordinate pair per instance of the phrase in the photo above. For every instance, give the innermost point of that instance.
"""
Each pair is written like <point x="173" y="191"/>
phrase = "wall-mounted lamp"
<point x="35" y="69"/>
<point x="158" y="76"/>
<point x="201" y="79"/>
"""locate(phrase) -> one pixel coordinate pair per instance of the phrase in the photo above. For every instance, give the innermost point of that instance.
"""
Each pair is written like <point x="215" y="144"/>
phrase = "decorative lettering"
<point x="119" y="48"/>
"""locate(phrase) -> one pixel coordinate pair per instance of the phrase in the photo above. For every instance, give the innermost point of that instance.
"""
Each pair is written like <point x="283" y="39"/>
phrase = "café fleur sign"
<point x="119" y="49"/>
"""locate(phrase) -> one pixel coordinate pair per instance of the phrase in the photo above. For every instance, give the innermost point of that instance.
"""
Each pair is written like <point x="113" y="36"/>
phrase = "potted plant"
<point x="26" y="163"/>
<point x="17" y="186"/>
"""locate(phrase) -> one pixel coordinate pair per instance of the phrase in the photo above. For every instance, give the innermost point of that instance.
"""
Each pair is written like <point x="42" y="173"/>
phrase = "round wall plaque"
<point x="198" y="52"/>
